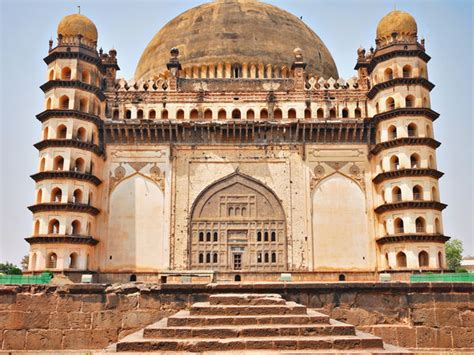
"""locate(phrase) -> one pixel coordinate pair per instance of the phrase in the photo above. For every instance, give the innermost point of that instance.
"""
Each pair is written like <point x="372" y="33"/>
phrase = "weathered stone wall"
<point x="92" y="316"/>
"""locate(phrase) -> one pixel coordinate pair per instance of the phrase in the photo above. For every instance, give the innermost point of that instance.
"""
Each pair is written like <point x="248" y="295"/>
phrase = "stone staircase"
<point x="252" y="323"/>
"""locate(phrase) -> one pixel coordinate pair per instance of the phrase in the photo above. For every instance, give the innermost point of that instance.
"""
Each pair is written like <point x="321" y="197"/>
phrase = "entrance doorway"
<point x="237" y="261"/>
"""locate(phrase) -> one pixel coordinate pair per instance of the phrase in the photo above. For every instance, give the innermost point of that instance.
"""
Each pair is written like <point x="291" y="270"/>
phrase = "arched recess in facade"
<point x="136" y="237"/>
<point x="341" y="239"/>
<point x="237" y="223"/>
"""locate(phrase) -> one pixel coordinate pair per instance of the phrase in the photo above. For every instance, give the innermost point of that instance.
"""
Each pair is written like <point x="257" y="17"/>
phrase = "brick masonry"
<point x="93" y="316"/>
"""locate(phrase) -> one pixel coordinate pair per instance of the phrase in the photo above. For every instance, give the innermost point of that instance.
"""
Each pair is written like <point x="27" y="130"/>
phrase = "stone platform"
<point x="259" y="323"/>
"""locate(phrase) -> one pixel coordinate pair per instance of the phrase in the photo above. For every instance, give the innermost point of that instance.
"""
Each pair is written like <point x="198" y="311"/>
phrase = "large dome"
<point x="236" y="31"/>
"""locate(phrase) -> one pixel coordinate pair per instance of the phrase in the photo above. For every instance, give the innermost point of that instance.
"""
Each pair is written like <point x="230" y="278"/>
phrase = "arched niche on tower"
<point x="340" y="225"/>
<point x="136" y="238"/>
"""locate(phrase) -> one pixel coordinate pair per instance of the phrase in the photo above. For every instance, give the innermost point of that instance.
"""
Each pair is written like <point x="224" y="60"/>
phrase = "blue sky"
<point x="26" y="27"/>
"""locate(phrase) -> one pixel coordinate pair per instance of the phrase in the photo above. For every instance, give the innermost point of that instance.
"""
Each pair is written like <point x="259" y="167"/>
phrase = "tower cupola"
<point x="396" y="23"/>
<point x="78" y="25"/>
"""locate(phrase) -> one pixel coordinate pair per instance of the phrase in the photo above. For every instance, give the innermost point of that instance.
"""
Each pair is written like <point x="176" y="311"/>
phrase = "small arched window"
<point x="320" y="113"/>
<point x="396" y="194"/>
<point x="56" y="195"/>
<point x="412" y="130"/>
<point x="201" y="258"/>
<point x="115" y="114"/>
<point x="201" y="236"/>
<point x="39" y="196"/>
<point x="58" y="163"/>
<point x="265" y="236"/>
<point x="307" y="114"/>
<point x="410" y="101"/>
<point x="273" y="236"/>
<point x="128" y="114"/>
<point x="345" y="113"/>
<point x="392" y="132"/>
<point x="208" y="258"/>
<point x="388" y="74"/>
<point x="398" y="226"/>
<point x="417" y="192"/>
<point x="236" y="114"/>
<point x="423" y="259"/>
<point x="389" y="104"/>
<point x="358" y="113"/>
<point x="77" y="196"/>
<point x="83" y="105"/>
<point x="64" y="102"/>
<point x="208" y="236"/>
<point x="440" y="260"/>
<point x="51" y="261"/>
<point x="208" y="114"/>
<point x="434" y="194"/>
<point x="214" y="258"/>
<point x="53" y="227"/>
<point x="401" y="259"/>
<point x="79" y="165"/>
<point x="394" y="163"/>
<point x="277" y="114"/>
<point x="415" y="161"/>
<point x="42" y="165"/>
<point x="140" y="114"/>
<point x="61" y="132"/>
<point x="164" y="114"/>
<point x="37" y="227"/>
<point x="81" y="134"/>
<point x="332" y="113"/>
<point x="266" y="259"/>
<point x="194" y="114"/>
<point x="264" y="114"/>
<point x="274" y="258"/>
<point x="152" y="114"/>
<point x="86" y="78"/>
<point x="180" y="114"/>
<point x="216" y="236"/>
<point x="259" y="236"/>
<point x="51" y="75"/>
<point x="222" y="115"/>
<point x="292" y="113"/>
<point x="33" y="261"/>
<point x="48" y="104"/>
<point x="76" y="227"/>
<point x="250" y="114"/>
<point x="420" y="225"/>
<point x="407" y="71"/>
<point x="66" y="73"/>
<point x="73" y="260"/>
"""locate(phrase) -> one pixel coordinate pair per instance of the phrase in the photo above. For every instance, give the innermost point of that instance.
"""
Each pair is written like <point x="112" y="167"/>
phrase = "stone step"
<point x="205" y="308"/>
<point x="183" y="318"/>
<point x="136" y="342"/>
<point x="161" y="330"/>
<point x="246" y="299"/>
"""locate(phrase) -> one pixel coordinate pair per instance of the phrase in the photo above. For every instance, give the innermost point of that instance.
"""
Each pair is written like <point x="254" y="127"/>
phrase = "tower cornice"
<point x="405" y="141"/>
<point x="399" y="82"/>
<point x="405" y="111"/>
<point x="75" y="84"/>
<point x="61" y="174"/>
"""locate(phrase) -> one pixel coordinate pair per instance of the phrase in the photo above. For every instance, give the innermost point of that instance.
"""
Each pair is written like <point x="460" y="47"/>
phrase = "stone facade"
<point x="242" y="168"/>
<point x="438" y="315"/>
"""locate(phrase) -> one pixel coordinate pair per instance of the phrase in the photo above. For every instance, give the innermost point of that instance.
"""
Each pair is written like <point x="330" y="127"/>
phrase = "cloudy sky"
<point x="26" y="27"/>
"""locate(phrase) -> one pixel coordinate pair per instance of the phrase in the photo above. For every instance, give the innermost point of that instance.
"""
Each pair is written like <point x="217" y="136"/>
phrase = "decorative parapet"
<point x="315" y="83"/>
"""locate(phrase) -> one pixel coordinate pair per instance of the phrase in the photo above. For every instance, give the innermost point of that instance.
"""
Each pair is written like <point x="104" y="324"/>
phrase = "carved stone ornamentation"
<point x="319" y="173"/>
<point x="158" y="176"/>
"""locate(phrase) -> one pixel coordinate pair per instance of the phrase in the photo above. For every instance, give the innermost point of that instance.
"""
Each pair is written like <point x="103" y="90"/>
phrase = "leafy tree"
<point x="24" y="262"/>
<point x="454" y="251"/>
<point x="9" y="269"/>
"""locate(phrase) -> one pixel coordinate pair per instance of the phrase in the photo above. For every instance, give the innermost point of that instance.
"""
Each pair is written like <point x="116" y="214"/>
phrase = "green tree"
<point x="24" y="262"/>
<point x="454" y="251"/>
<point x="9" y="269"/>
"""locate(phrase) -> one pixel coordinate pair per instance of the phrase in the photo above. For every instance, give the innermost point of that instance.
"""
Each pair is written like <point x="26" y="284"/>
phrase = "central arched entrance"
<point x="238" y="224"/>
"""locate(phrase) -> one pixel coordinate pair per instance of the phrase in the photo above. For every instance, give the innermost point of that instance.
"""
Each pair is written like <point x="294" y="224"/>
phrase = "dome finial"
<point x="79" y="9"/>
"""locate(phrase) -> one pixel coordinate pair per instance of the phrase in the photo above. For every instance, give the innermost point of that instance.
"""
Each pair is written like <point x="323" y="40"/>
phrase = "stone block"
<point x="78" y="339"/>
<point x="149" y="301"/>
<point x="111" y="301"/>
<point x="463" y="337"/>
<point x="7" y="301"/>
<point x="101" y="338"/>
<point x="14" y="339"/>
<point x="43" y="339"/>
<point x="139" y="319"/>
<point x="444" y="338"/>
<point x="93" y="303"/>
<point x="13" y="320"/>
<point x="59" y="320"/>
<point x="37" y="320"/>
<point x="452" y="300"/>
<point x="79" y="320"/>
<point x="354" y="316"/>
<point x="69" y="303"/>
<point x="448" y="317"/>
<point x="425" y="337"/>
<point x="128" y="302"/>
<point x="380" y="301"/>
<point x="46" y="302"/>
<point x="387" y="332"/>
<point x="406" y="336"/>
<point x="423" y="317"/>
<point x="107" y="320"/>
<point x="420" y="300"/>
<point x="467" y="318"/>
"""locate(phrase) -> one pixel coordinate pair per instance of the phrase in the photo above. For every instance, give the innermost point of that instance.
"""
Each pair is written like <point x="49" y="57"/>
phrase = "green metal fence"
<point x="454" y="277"/>
<point x="44" y="278"/>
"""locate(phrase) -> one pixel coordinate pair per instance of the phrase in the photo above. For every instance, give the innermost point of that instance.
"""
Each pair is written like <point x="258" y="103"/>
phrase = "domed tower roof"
<point x="77" y="24"/>
<point x="236" y="31"/>
<point x="396" y="21"/>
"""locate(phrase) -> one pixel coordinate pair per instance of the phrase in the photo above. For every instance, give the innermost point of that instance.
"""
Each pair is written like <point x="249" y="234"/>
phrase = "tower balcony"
<point x="66" y="113"/>
<point x="62" y="238"/>
<point x="405" y="111"/>
<point x="407" y="205"/>
<point x="64" y="207"/>
<point x="66" y="174"/>
<point x="414" y="172"/>
<point x="73" y="84"/>
<point x="399" y="82"/>
<point x="405" y="141"/>
<point x="69" y="143"/>
<point x="419" y="236"/>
